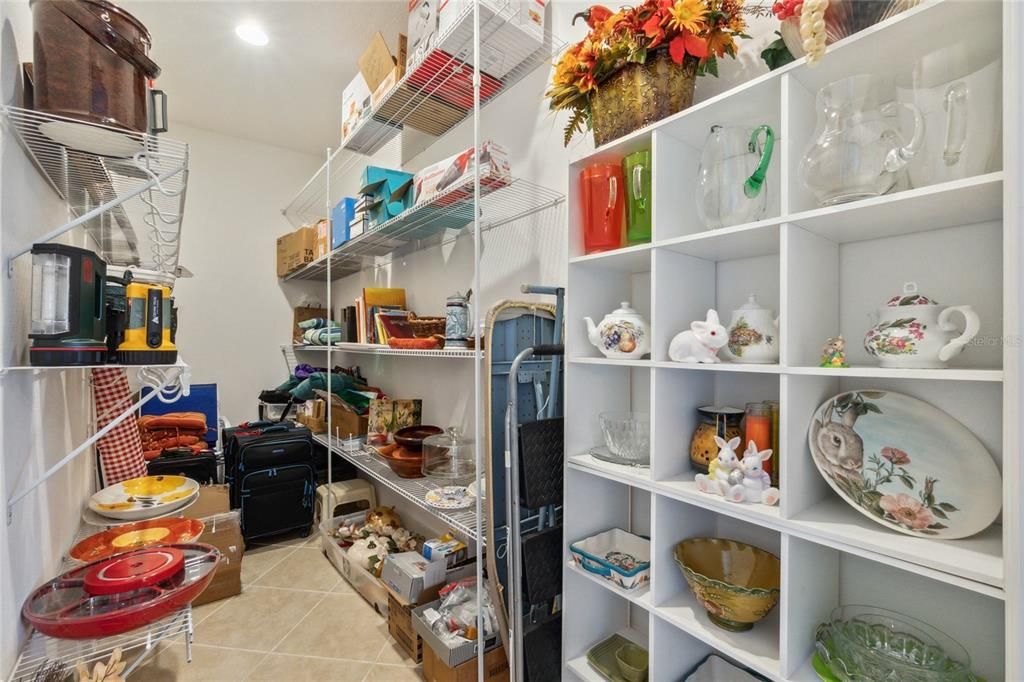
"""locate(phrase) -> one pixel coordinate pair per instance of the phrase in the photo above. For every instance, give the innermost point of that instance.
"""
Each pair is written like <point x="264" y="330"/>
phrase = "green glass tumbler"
<point x="637" y="171"/>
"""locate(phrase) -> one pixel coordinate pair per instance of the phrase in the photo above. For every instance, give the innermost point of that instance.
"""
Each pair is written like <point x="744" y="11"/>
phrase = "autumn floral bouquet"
<point x="676" y="40"/>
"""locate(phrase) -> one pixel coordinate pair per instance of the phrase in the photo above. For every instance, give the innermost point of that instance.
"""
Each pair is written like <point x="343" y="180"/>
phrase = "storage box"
<point x="344" y="421"/>
<point x="449" y="550"/>
<point x="295" y="249"/>
<point x="301" y="314"/>
<point x="495" y="668"/>
<point x="341" y="215"/>
<point x="361" y="580"/>
<point x="421" y="28"/>
<point x="386" y="69"/>
<point x="223" y="531"/>
<point x="449" y="656"/>
<point x="407" y="574"/>
<point x="380" y="185"/>
<point x="401" y="630"/>
<point x="456" y="171"/>
<point x="322" y="240"/>
<point x="515" y="30"/>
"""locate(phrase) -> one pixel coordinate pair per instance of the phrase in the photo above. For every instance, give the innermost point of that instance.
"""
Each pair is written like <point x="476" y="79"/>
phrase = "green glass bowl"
<point x="633" y="662"/>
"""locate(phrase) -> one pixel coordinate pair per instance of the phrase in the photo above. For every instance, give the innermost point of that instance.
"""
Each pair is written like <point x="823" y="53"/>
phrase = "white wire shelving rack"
<point x="376" y="349"/>
<point x="463" y="522"/>
<point x="130" y="204"/>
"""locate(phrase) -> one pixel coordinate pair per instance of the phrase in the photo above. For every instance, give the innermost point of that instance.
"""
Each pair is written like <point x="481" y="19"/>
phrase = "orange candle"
<point x="757" y="427"/>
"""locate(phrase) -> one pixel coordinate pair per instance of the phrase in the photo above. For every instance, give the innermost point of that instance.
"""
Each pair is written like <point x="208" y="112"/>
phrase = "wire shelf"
<point x="435" y="94"/>
<point x="373" y="349"/>
<point x="412" y="489"/>
<point x="142" y="180"/>
<point x="441" y="217"/>
<point x="40" y="650"/>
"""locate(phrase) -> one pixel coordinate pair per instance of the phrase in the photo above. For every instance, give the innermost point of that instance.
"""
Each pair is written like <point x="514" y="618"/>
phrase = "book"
<point x="394" y="324"/>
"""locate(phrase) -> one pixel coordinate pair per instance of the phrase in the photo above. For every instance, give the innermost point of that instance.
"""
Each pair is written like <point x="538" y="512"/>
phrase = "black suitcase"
<point x="271" y="475"/>
<point x="199" y="466"/>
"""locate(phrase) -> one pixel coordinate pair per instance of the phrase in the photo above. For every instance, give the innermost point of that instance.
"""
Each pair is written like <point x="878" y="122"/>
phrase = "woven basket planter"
<point x="640" y="94"/>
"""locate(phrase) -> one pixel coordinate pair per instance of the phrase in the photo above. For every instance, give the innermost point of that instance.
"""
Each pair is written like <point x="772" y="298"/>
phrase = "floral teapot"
<point x="753" y="334"/>
<point x="622" y="334"/>
<point x="913" y="331"/>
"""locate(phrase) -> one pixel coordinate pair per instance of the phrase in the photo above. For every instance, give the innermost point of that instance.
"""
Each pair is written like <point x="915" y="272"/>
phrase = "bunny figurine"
<point x="701" y="342"/>
<point x="723" y="470"/>
<point x="757" y="484"/>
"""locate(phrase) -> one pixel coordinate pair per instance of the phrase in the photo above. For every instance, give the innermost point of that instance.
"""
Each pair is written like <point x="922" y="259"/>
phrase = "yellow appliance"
<point x="149" y="325"/>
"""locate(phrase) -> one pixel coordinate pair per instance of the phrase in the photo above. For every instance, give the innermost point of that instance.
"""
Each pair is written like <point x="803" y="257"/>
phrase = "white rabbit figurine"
<point x="717" y="480"/>
<point x="700" y="343"/>
<point x="757" y="484"/>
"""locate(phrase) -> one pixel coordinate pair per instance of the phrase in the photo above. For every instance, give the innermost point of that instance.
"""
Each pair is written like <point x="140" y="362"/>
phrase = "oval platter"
<point x="905" y="464"/>
<point x="136" y="535"/>
<point x="143" y="498"/>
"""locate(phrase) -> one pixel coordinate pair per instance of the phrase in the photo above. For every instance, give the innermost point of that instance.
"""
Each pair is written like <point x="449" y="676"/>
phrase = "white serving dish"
<point x="615" y="555"/>
<point x="137" y="499"/>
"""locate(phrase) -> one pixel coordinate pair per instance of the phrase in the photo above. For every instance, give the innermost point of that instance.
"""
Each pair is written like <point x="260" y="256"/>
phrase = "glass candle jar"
<point x="715" y="420"/>
<point x="757" y="427"/>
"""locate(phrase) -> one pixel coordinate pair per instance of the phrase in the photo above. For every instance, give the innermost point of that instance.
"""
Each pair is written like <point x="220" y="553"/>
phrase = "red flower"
<point x="896" y="456"/>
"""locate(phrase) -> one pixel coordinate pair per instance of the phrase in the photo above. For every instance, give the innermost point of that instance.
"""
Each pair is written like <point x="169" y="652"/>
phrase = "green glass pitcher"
<point x="637" y="171"/>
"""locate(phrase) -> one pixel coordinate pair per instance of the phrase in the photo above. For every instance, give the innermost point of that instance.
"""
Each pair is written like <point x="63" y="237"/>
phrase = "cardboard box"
<point x="344" y="421"/>
<point x="495" y="668"/>
<point x="422" y="28"/>
<point x="456" y="171"/>
<point x="341" y="215"/>
<point x="380" y="185"/>
<point x="355" y="105"/>
<point x="301" y="314"/>
<point x="376" y="62"/>
<point x="515" y="30"/>
<point x="407" y="574"/>
<point x="295" y="249"/>
<point x="401" y="630"/>
<point x="449" y="656"/>
<point x="322" y="239"/>
<point x="361" y="580"/>
<point x="223" y="531"/>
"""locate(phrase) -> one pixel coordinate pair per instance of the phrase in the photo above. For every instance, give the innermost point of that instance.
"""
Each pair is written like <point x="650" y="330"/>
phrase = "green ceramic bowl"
<point x="633" y="662"/>
<point x="736" y="583"/>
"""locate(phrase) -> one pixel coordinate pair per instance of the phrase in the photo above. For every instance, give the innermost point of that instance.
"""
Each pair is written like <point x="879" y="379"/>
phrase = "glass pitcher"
<point x="857" y="150"/>
<point x="731" y="180"/>
<point x="602" y="200"/>
<point x="637" y="171"/>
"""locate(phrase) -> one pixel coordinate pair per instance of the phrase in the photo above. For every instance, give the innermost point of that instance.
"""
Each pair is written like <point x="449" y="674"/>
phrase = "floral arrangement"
<point x="697" y="30"/>
<point x="368" y="544"/>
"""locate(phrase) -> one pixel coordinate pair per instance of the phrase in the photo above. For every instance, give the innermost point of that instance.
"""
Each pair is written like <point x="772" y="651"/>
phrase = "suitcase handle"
<point x="274" y="429"/>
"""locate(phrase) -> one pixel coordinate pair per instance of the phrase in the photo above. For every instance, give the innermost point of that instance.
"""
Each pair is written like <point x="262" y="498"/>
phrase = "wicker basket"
<point x="640" y="94"/>
<point x="423" y="327"/>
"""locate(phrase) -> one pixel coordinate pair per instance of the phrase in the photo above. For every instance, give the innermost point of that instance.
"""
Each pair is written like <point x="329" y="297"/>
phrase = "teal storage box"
<point x="382" y="185"/>
<point x="341" y="215"/>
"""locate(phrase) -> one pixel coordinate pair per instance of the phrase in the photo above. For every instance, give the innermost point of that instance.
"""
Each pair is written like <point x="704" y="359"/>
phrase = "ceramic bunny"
<point x="757" y="484"/>
<point x="722" y="470"/>
<point x="701" y="342"/>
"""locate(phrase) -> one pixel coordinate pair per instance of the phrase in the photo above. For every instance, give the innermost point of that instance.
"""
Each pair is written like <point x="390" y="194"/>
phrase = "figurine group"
<point x="739" y="480"/>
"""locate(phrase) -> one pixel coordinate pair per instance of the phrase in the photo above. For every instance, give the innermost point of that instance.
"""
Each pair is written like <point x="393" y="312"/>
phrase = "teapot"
<point x="731" y="179"/>
<point x="623" y="334"/>
<point x="914" y="331"/>
<point x="753" y="334"/>
<point x="857" y="150"/>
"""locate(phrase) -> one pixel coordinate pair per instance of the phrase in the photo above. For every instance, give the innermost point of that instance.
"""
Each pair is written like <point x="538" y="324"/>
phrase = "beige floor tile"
<point x="341" y="626"/>
<point x="201" y="613"/>
<point x="343" y="586"/>
<point x="279" y="667"/>
<point x="209" y="664"/>
<point x="393" y="673"/>
<point x="393" y="654"/>
<point x="260" y="559"/>
<point x="293" y="539"/>
<point x="305" y="568"/>
<point x="256" y="619"/>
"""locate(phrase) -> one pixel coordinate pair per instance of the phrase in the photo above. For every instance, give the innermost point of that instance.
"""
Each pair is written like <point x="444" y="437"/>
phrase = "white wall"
<point x="44" y="414"/>
<point x="234" y="314"/>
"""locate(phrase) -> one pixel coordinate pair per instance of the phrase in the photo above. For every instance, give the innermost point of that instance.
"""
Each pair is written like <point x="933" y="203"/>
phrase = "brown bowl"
<point x="411" y="437"/>
<point x="404" y="462"/>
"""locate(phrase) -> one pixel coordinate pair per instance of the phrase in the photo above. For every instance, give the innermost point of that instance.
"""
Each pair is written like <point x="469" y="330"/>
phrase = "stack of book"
<point x="381" y="315"/>
<point x="360" y="221"/>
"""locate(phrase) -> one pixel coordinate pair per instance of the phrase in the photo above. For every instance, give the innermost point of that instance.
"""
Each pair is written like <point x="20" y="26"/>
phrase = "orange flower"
<point x="687" y="15"/>
<point x="721" y="43"/>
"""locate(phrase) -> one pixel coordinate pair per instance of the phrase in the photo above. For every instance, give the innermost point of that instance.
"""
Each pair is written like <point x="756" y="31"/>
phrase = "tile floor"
<point x="296" y="619"/>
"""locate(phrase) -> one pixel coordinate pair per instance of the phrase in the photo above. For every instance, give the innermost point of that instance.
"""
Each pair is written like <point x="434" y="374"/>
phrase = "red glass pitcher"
<point x="602" y="192"/>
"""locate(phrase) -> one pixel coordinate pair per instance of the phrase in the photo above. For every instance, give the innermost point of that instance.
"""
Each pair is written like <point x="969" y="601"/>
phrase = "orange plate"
<point x="136" y="535"/>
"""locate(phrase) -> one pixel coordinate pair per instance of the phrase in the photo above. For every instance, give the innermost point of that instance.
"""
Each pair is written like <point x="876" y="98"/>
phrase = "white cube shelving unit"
<point x="825" y="270"/>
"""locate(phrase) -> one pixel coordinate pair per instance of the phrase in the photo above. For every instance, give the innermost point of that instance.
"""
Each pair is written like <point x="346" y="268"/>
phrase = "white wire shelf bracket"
<point x="439" y="218"/>
<point x="374" y="349"/>
<point x="40" y="651"/>
<point x="436" y="93"/>
<point x="129" y="203"/>
<point x="168" y="384"/>
<point x="412" y="489"/>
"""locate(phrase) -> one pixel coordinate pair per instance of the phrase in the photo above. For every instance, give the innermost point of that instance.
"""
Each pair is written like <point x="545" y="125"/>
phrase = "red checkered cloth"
<point x="121" y="448"/>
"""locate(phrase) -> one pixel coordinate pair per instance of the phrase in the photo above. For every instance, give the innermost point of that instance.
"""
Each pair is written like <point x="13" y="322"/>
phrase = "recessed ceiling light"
<point x="252" y="33"/>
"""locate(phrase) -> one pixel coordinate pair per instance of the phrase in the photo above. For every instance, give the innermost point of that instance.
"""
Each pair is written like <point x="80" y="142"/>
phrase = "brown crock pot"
<point x="90" y="62"/>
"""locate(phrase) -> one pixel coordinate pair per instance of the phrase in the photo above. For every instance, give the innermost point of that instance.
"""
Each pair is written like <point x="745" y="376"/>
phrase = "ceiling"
<point x="286" y="93"/>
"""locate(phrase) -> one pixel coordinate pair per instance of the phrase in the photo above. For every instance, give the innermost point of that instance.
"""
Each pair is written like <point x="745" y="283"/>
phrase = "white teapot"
<point x="753" y="334"/>
<point x="623" y="334"/>
<point x="913" y="331"/>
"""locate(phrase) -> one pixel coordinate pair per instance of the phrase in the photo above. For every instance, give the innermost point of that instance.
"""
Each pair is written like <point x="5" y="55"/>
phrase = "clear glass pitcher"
<point x="731" y="180"/>
<point x="858" y="150"/>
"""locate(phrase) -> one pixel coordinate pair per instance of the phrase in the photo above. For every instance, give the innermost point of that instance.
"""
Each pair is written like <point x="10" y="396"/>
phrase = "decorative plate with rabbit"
<point x="905" y="464"/>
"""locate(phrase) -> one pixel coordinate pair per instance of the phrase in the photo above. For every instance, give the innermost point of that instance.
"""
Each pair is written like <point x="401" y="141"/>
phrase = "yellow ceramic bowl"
<point x="737" y="584"/>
